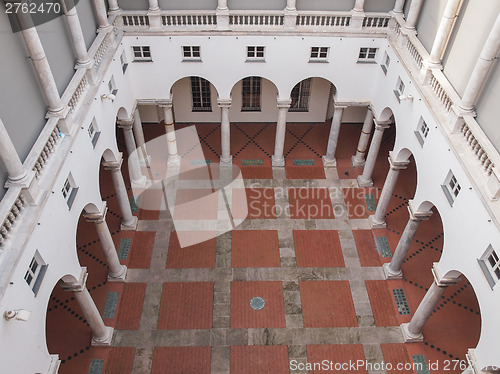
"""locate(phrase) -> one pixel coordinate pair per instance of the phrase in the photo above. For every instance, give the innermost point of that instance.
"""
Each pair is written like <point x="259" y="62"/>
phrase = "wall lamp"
<point x="21" y="315"/>
<point x="406" y="97"/>
<point x="108" y="96"/>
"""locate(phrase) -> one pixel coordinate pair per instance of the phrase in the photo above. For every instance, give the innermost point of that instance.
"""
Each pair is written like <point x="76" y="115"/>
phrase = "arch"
<point x="262" y="76"/>
<point x="123" y="114"/>
<point x="403" y="155"/>
<point x="426" y="206"/>
<point x="334" y="90"/>
<point x="91" y="208"/>
<point x="385" y="115"/>
<point x="109" y="156"/>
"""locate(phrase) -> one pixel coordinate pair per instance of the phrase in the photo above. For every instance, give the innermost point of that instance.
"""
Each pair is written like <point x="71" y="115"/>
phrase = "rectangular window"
<point x="123" y="62"/>
<point x="400" y="88"/>
<point x="300" y="96"/>
<point x="256" y="53"/>
<point x="367" y="54"/>
<point x="490" y="264"/>
<point x="319" y="54"/>
<point x="112" y="87"/>
<point x="35" y="273"/>
<point x="191" y="53"/>
<point x="69" y="190"/>
<point x="142" y="53"/>
<point x="422" y="131"/>
<point x="451" y="188"/>
<point x="386" y="63"/>
<point x="200" y="94"/>
<point x="93" y="133"/>
<point x="251" y="94"/>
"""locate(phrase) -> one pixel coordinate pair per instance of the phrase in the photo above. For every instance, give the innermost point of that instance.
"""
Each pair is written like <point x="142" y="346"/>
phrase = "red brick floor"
<point x="315" y="171"/>
<point x="259" y="359"/>
<point x="130" y="310"/>
<point x="395" y="354"/>
<point x="367" y="251"/>
<point x="327" y="304"/>
<point x="181" y="360"/>
<point x="318" y="248"/>
<point x="382" y="303"/>
<point x="339" y="357"/>
<point x="120" y="360"/>
<point x="186" y="306"/>
<point x="195" y="204"/>
<point x="141" y="249"/>
<point x="259" y="203"/>
<point x="310" y="203"/>
<point x="201" y="255"/>
<point x="243" y="316"/>
<point x="263" y="250"/>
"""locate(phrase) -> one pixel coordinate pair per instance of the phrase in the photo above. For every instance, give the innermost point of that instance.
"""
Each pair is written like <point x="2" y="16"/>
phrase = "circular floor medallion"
<point x="257" y="303"/>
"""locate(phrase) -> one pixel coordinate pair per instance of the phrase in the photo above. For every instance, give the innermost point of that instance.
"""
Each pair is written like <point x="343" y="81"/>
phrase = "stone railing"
<point x="262" y="19"/>
<point x="47" y="150"/>
<point x="380" y="21"/>
<point x="479" y="144"/>
<point x="414" y="46"/>
<point x="81" y="82"/>
<point x="323" y="19"/>
<point x="11" y="208"/>
<point x="439" y="88"/>
<point x="183" y="19"/>
<point x="98" y="49"/>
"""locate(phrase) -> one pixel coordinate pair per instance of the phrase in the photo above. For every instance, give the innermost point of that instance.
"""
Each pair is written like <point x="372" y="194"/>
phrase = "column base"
<point x="277" y="161"/>
<point x="364" y="183"/>
<point x="105" y="341"/>
<point x="54" y="364"/>
<point x="390" y="274"/>
<point x="356" y="163"/>
<point x="132" y="226"/>
<point x="409" y="337"/>
<point x="376" y="225"/>
<point x="120" y="277"/>
<point x="140" y="183"/>
<point x="146" y="161"/>
<point x="329" y="162"/>
<point x="174" y="160"/>
<point x="226" y="161"/>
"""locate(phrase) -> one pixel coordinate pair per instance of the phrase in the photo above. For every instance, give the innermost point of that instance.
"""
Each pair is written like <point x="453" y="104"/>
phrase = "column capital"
<point x="415" y="215"/>
<point x="99" y="216"/>
<point x="224" y="103"/>
<point x="340" y="106"/>
<point x="284" y="103"/>
<point x="167" y="103"/>
<point x="114" y="165"/>
<point x="126" y="124"/>
<point x="79" y="284"/>
<point x="397" y="165"/>
<point x="381" y="126"/>
<point x="440" y="279"/>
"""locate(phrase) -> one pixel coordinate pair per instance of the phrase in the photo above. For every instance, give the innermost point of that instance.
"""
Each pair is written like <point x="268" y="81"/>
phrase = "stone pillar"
<point x="359" y="158"/>
<point x="222" y="13"/>
<point x="102" y="17"/>
<point x="10" y="159"/>
<point x="142" y="152"/>
<point x="153" y="5"/>
<point x="358" y="14"/>
<point x="359" y="6"/>
<point x="329" y="159"/>
<point x="173" y="157"/>
<point x="129" y="221"/>
<point x="222" y="5"/>
<point x="154" y="15"/>
<point x="393" y="270"/>
<point x="102" y="335"/>
<point x="413" y="13"/>
<point x="290" y="13"/>
<point x="226" y="157"/>
<point x="117" y="271"/>
<point x="412" y="332"/>
<point x="399" y="6"/>
<point x="482" y="68"/>
<point x="365" y="180"/>
<point x="113" y="6"/>
<point x="377" y="220"/>
<point x="279" y="144"/>
<point x="41" y="64"/>
<point x="134" y="166"/>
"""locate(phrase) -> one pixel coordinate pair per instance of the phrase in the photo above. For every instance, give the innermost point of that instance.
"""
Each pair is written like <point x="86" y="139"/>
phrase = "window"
<point x="200" y="94"/>
<point x="386" y="63"/>
<point x="191" y="53"/>
<point x="422" y="131"/>
<point x="35" y="273"/>
<point x="69" y="190"/>
<point x="300" y="96"/>
<point x="123" y="62"/>
<point x="250" y="96"/>
<point x="451" y="187"/>
<point x="490" y="264"/>
<point x="367" y="54"/>
<point x="112" y="87"/>
<point x="319" y="54"/>
<point x="93" y="133"/>
<point x="142" y="53"/>
<point x="400" y="88"/>
<point x="255" y="53"/>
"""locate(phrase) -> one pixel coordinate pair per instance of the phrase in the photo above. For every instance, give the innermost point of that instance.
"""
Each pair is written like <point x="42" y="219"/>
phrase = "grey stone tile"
<point x="222" y="297"/>
<point x="297" y="351"/>
<point x="221" y="286"/>
<point x="287" y="252"/>
<point x="151" y="306"/>
<point x="291" y="286"/>
<point x="220" y="360"/>
<point x="165" y="338"/>
<point x="292" y="302"/>
<point x="288" y="262"/>
<point x="237" y="337"/>
<point x="218" y="337"/>
<point x="294" y="321"/>
<point x="143" y="361"/>
<point x="365" y="321"/>
<point x="305" y="274"/>
<point x="240" y="274"/>
<point x="222" y="310"/>
<point x="221" y="322"/>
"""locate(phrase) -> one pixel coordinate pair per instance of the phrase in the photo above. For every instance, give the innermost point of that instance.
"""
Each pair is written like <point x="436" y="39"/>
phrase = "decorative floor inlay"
<point x="96" y="366"/>
<point x="199" y="162"/>
<point x="252" y="162"/>
<point x="383" y="246"/>
<point x="257" y="303"/>
<point x="124" y="248"/>
<point x="303" y="162"/>
<point x="110" y="306"/>
<point x="400" y="297"/>
<point x="134" y="203"/>
<point x="420" y="364"/>
<point x="370" y="201"/>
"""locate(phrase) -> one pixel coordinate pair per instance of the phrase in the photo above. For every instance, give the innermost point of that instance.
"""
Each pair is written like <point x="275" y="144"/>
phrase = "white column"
<point x="359" y="158"/>
<point x="222" y="13"/>
<point x="393" y="270"/>
<point x="377" y="220"/>
<point x="291" y="5"/>
<point x="365" y="180"/>
<point x="10" y="159"/>
<point x="134" y="167"/>
<point x="153" y="5"/>
<point x="221" y="4"/>
<point x="129" y="221"/>
<point x="75" y="30"/>
<point x="279" y="143"/>
<point x="412" y="332"/>
<point x="173" y="156"/>
<point x="444" y="31"/>
<point x="102" y="17"/>
<point x="102" y="335"/>
<point x="226" y="157"/>
<point x="482" y="68"/>
<point x="117" y="271"/>
<point x="329" y="159"/>
<point x="154" y="15"/>
<point x="399" y="6"/>
<point x="144" y="158"/>
<point x="413" y="13"/>
<point x="40" y="63"/>
<point x="113" y="6"/>
<point x="359" y="6"/>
